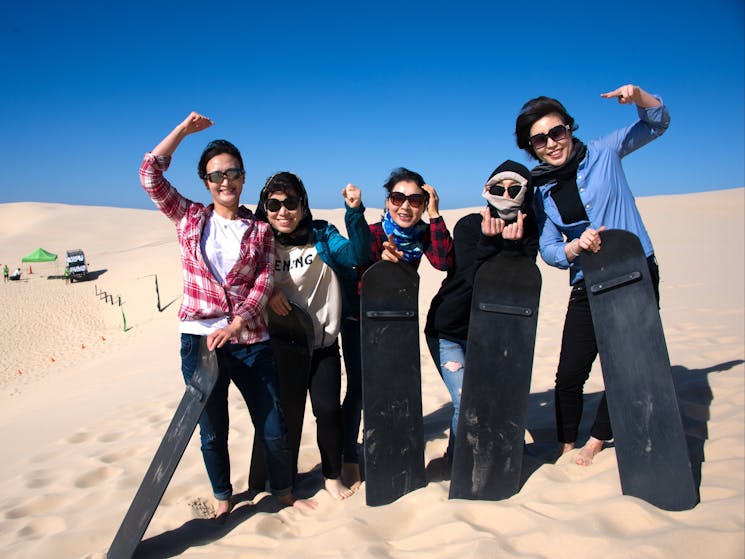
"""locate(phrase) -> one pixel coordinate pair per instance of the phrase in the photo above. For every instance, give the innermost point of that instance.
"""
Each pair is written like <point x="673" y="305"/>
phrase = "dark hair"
<point x="287" y="183"/>
<point x="403" y="174"/>
<point x="533" y="111"/>
<point x="214" y="148"/>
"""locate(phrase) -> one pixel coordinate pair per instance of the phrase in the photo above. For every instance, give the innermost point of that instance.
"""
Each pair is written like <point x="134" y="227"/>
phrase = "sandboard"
<point x="167" y="457"/>
<point x="292" y="345"/>
<point x="391" y="383"/>
<point x="653" y="461"/>
<point x="488" y="454"/>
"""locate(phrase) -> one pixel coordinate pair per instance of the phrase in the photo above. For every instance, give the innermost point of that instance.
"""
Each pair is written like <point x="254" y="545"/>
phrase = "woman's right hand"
<point x="196" y="123"/>
<point x="390" y="251"/>
<point x="279" y="304"/>
<point x="490" y="226"/>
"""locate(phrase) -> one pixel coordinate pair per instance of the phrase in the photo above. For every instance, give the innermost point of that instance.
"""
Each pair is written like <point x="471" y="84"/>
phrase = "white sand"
<point x="84" y="405"/>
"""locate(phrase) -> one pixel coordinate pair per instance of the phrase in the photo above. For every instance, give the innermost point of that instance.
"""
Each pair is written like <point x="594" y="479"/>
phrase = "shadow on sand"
<point x="694" y="402"/>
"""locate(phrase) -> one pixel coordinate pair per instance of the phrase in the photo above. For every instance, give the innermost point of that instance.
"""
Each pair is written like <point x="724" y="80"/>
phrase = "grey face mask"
<point x="507" y="208"/>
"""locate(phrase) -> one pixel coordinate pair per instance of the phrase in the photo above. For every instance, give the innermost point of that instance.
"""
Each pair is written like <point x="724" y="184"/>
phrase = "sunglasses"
<point x="557" y="133"/>
<point x="415" y="200"/>
<point x="216" y="177"/>
<point x="274" y="204"/>
<point x="498" y="190"/>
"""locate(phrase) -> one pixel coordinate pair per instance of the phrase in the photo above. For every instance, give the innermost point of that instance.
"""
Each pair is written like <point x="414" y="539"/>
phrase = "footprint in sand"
<point x="114" y="457"/>
<point x="95" y="477"/>
<point x="42" y="528"/>
<point x="110" y="437"/>
<point x="39" y="478"/>
<point x="37" y="506"/>
<point x="79" y="437"/>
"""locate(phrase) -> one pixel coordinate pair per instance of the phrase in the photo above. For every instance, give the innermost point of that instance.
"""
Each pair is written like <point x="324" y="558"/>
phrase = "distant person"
<point x="315" y="268"/>
<point x="6" y="272"/>
<point x="16" y="275"/>
<point x="67" y="274"/>
<point x="581" y="190"/>
<point x="507" y="224"/>
<point x="227" y="257"/>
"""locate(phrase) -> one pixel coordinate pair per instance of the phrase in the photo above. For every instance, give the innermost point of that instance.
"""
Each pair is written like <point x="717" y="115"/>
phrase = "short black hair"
<point x="403" y="174"/>
<point x="533" y="111"/>
<point x="214" y="148"/>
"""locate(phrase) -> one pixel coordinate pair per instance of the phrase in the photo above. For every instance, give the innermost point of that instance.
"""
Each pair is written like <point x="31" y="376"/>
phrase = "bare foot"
<point x="565" y="447"/>
<point x="302" y="504"/>
<point x="350" y="474"/>
<point x="337" y="489"/>
<point x="222" y="510"/>
<point x="588" y="452"/>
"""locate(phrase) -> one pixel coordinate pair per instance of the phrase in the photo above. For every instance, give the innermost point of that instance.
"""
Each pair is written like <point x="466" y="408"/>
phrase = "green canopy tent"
<point x="39" y="255"/>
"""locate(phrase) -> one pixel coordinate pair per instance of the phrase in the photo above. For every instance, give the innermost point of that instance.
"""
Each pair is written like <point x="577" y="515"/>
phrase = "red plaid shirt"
<point x="436" y="240"/>
<point x="247" y="286"/>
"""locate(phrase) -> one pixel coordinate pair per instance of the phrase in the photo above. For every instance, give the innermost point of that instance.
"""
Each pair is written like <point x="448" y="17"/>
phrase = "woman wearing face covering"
<point x="581" y="190"/>
<point x="505" y="224"/>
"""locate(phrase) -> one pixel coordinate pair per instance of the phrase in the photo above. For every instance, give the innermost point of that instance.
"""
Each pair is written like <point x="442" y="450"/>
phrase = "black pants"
<point x="578" y="351"/>
<point x="325" y="390"/>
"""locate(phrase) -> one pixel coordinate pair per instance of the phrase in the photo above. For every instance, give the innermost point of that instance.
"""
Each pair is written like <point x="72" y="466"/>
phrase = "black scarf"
<point x="565" y="193"/>
<point x="302" y="235"/>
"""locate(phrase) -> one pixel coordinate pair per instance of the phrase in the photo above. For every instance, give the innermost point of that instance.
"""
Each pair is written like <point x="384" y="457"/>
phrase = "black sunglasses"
<point x="274" y="204"/>
<point x="557" y="133"/>
<point x="498" y="190"/>
<point x="216" y="177"/>
<point x="415" y="200"/>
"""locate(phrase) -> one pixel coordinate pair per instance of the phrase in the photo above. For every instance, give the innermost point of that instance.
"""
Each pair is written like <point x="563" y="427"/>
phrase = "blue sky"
<point x="343" y="92"/>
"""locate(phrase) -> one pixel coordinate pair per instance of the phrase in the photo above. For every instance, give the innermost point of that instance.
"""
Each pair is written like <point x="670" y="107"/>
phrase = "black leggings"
<point x="325" y="390"/>
<point x="578" y="351"/>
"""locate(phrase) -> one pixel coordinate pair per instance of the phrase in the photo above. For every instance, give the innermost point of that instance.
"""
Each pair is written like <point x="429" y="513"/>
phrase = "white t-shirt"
<point x="221" y="245"/>
<point x="304" y="278"/>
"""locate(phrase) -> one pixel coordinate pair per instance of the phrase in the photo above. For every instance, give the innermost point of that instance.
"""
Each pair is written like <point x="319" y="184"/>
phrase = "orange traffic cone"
<point x="29" y="269"/>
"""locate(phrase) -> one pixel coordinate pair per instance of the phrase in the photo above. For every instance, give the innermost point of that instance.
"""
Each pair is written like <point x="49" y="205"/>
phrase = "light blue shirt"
<point x="604" y="192"/>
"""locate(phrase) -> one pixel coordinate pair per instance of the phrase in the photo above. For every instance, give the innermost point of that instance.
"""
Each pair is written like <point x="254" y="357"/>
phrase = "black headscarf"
<point x="289" y="184"/>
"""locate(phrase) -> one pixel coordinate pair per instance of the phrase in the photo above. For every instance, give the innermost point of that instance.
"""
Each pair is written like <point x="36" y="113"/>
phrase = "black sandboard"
<point x="653" y="461"/>
<point x="292" y="345"/>
<point x="391" y="382"/>
<point x="488" y="455"/>
<point x="167" y="457"/>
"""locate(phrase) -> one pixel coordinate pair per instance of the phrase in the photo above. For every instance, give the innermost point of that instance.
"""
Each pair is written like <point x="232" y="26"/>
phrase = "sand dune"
<point x="85" y="403"/>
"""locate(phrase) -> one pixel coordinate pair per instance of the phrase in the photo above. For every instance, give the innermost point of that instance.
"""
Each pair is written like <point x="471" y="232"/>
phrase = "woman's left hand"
<point x="352" y="195"/>
<point x="514" y="231"/>
<point x="629" y="93"/>
<point x="433" y="206"/>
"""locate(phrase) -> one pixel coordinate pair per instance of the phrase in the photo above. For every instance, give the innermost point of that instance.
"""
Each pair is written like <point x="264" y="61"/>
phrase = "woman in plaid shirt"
<point x="227" y="263"/>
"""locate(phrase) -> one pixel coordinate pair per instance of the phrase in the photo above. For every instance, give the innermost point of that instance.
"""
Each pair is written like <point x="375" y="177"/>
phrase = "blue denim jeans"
<point x="447" y="351"/>
<point x="351" y="409"/>
<point x="251" y="368"/>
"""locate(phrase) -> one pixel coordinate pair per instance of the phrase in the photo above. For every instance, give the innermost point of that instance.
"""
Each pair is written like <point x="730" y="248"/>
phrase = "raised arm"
<point x="629" y="93"/>
<point x="191" y="124"/>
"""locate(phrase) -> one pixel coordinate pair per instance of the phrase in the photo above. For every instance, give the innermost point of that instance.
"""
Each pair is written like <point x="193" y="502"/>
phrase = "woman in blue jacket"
<point x="581" y="190"/>
<point x="315" y="268"/>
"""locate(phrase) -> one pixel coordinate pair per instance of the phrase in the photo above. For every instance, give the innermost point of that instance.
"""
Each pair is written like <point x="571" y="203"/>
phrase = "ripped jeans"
<point x="450" y="359"/>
